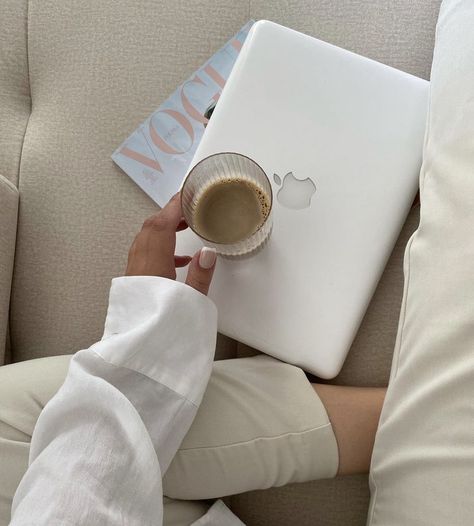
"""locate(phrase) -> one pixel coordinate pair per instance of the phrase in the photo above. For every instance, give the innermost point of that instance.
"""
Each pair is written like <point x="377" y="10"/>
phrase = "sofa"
<point x="76" y="77"/>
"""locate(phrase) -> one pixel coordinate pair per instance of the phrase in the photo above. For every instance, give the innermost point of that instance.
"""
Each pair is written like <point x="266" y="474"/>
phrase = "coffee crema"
<point x="230" y="210"/>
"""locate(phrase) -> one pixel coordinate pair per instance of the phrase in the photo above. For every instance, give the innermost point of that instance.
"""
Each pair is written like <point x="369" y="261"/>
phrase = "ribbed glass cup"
<point x="226" y="167"/>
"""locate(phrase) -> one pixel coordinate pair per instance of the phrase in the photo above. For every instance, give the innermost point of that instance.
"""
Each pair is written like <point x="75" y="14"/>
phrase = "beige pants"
<point x="260" y="425"/>
<point x="423" y="462"/>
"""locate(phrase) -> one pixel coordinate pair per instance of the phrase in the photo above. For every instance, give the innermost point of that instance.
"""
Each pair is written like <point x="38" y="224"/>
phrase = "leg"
<point x="182" y="512"/>
<point x="25" y="388"/>
<point x="354" y="414"/>
<point x="261" y="424"/>
<point x="423" y="462"/>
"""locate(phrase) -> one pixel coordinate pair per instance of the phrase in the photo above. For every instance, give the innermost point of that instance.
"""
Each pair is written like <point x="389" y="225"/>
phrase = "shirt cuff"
<point x="162" y="329"/>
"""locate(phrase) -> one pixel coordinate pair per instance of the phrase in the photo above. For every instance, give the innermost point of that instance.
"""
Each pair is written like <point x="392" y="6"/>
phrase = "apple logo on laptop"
<point x="294" y="193"/>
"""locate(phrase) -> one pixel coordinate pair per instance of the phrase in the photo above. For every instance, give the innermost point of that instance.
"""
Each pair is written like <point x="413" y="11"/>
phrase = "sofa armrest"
<point x="9" y="198"/>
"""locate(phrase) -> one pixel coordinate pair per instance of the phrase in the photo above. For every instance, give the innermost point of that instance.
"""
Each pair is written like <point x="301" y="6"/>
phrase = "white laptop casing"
<point x="355" y="127"/>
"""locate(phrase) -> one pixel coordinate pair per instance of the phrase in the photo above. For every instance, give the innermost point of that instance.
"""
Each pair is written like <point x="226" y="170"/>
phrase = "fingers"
<point x="168" y="219"/>
<point x="152" y="251"/>
<point x="201" y="269"/>
<point x="182" y="261"/>
<point x="171" y="213"/>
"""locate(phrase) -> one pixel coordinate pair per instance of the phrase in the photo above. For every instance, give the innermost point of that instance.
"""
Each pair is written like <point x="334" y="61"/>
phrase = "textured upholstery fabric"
<point x="399" y="33"/>
<point x="78" y="61"/>
<point x="89" y="89"/>
<point x="336" y="502"/>
<point x="15" y="103"/>
<point x="8" y="218"/>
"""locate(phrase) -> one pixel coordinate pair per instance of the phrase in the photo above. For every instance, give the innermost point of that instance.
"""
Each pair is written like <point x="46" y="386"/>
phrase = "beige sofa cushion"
<point x="8" y="224"/>
<point x="96" y="70"/>
<point x="15" y="103"/>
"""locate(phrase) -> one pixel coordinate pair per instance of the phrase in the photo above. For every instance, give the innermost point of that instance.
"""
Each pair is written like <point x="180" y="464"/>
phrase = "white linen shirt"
<point x="103" y="442"/>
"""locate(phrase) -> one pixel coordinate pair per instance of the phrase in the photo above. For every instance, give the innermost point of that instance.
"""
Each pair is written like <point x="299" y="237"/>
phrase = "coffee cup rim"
<point x="240" y="155"/>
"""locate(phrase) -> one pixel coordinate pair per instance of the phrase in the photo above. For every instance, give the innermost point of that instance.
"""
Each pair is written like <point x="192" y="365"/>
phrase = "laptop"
<point x="340" y="137"/>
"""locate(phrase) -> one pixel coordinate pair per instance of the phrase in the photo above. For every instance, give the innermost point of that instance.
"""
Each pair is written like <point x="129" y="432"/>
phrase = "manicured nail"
<point x="207" y="257"/>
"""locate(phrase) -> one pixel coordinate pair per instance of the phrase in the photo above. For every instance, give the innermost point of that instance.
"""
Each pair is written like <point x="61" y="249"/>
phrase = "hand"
<point x="152" y="251"/>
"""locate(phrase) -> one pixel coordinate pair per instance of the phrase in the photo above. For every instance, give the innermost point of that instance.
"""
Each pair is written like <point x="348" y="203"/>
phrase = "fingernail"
<point x="207" y="257"/>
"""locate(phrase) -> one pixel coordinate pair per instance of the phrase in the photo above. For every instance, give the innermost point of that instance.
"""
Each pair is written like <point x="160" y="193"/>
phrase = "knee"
<point x="25" y="388"/>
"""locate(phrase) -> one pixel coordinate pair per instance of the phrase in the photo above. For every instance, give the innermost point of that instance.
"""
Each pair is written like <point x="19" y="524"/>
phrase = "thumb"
<point x="201" y="269"/>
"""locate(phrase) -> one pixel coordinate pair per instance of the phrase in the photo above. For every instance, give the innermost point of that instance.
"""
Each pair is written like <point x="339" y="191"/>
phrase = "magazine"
<point x="158" y="153"/>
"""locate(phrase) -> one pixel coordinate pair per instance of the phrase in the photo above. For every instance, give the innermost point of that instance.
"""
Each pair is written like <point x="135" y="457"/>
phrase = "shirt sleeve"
<point x="103" y="442"/>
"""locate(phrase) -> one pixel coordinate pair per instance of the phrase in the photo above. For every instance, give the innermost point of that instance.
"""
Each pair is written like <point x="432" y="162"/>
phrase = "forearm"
<point x="83" y="466"/>
<point x="127" y="402"/>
